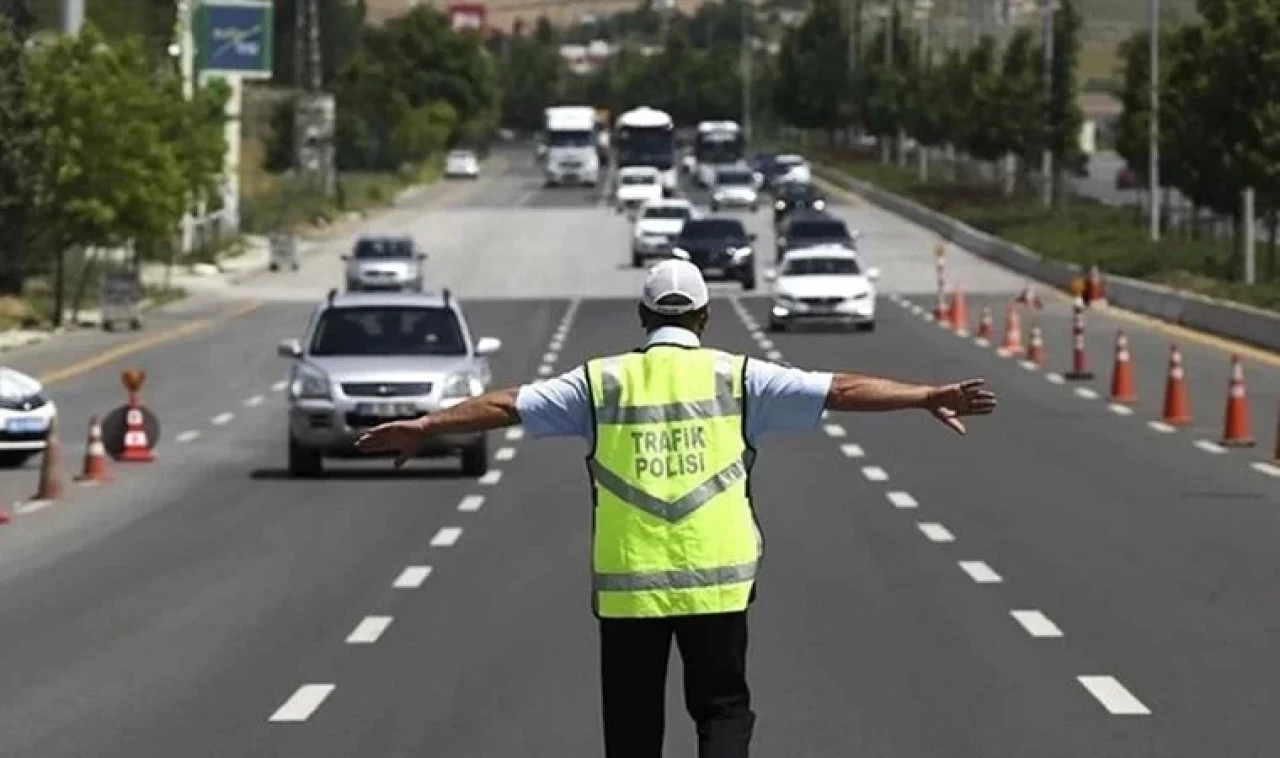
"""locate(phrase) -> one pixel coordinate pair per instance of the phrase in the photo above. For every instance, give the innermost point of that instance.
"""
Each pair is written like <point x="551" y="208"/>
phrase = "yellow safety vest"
<point x="674" y="530"/>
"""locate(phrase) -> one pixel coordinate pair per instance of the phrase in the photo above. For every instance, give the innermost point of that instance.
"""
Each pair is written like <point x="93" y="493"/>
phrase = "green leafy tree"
<point x="22" y="147"/>
<point x="813" y="69"/>
<point x="1133" y="126"/>
<point x="532" y="79"/>
<point x="1021" y="97"/>
<point x="1064" y="116"/>
<point x="982" y="131"/>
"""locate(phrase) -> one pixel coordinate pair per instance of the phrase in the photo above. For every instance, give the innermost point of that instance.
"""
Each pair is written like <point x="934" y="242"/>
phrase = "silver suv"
<point x="384" y="264"/>
<point x="368" y="358"/>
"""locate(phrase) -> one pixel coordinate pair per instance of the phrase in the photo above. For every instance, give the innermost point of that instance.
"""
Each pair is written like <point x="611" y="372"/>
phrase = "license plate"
<point x="24" y="425"/>
<point x="388" y="410"/>
<point x="713" y="271"/>
<point x="822" y="308"/>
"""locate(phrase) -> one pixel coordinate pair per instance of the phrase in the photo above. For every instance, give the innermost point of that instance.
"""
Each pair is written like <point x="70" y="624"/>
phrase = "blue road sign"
<point x="234" y="38"/>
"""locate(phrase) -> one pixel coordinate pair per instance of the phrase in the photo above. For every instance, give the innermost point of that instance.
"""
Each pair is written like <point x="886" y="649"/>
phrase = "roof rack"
<point x="332" y="294"/>
<point x="446" y="294"/>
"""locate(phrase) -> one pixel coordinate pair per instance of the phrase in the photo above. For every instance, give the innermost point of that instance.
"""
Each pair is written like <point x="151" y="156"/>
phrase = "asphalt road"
<point x="207" y="605"/>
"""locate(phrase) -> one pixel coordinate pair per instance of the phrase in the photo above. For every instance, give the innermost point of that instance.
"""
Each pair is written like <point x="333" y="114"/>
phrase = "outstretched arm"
<point x="947" y="403"/>
<point x="492" y="410"/>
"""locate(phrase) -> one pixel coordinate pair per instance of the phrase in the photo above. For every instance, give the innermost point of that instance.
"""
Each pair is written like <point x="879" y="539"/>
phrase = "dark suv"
<point x="810" y="228"/>
<point x="791" y="197"/>
<point x="720" y="248"/>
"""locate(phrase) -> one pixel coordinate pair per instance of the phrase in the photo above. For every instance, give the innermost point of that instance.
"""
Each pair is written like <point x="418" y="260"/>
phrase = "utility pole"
<point x="891" y="8"/>
<point x="745" y="52"/>
<point x="71" y="15"/>
<point x="1153" y="125"/>
<point x="1046" y="156"/>
<point x="924" y="9"/>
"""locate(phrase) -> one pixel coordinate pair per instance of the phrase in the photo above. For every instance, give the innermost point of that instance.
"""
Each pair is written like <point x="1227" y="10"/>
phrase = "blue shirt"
<point x="780" y="399"/>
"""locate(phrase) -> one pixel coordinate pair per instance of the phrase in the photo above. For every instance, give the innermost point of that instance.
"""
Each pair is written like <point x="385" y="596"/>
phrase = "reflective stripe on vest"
<point x="674" y="533"/>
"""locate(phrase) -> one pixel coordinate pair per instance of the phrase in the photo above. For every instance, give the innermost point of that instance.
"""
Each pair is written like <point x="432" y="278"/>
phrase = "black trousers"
<point x="633" y="668"/>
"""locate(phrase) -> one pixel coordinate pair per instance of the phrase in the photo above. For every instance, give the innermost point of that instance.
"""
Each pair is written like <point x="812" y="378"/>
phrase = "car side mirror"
<point x="873" y="273"/>
<point x="289" y="349"/>
<point x="486" y="346"/>
<point x="751" y="237"/>
<point x="422" y="256"/>
<point x="771" y="275"/>
<point x="346" y="256"/>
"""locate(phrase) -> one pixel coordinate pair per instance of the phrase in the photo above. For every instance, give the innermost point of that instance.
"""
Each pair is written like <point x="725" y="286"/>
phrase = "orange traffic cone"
<point x="4" y="516"/>
<point x="1012" y="332"/>
<point x="1177" y="410"/>
<point x="1035" y="349"/>
<point x="1122" y="389"/>
<point x="50" y="487"/>
<point x="137" y="448"/>
<point x="985" y="325"/>
<point x="1235" y="432"/>
<point x="95" y="456"/>
<point x="941" y="313"/>
<point x="1095" y="290"/>
<point x="1079" y="358"/>
<point x="959" y="313"/>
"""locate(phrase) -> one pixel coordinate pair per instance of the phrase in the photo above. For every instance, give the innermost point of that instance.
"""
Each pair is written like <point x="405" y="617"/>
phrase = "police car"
<point x="25" y="416"/>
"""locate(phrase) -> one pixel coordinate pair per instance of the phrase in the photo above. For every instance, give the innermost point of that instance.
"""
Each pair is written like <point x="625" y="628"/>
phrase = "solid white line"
<point x="186" y="436"/>
<point x="515" y="433"/>
<point x="1210" y="447"/>
<point x="471" y="503"/>
<point x="412" y="578"/>
<point x="936" y="533"/>
<point x="1054" y="378"/>
<point x="852" y="451"/>
<point x="1269" y="469"/>
<point x="773" y="355"/>
<point x="549" y="358"/>
<point x="545" y="370"/>
<point x="446" y="537"/>
<point x="369" y="630"/>
<point x="491" y="477"/>
<point x="256" y="400"/>
<point x="1114" y="697"/>
<point x="901" y="499"/>
<point x="874" y="474"/>
<point x="1036" y="623"/>
<point x="1086" y="393"/>
<point x="303" y="703"/>
<point x="766" y="344"/>
<point x="834" y="430"/>
<point x="279" y="386"/>
<point x="504" y="454"/>
<point x="980" y="572"/>
<point x="222" y="418"/>
<point x="1161" y="427"/>
<point x="1120" y="410"/>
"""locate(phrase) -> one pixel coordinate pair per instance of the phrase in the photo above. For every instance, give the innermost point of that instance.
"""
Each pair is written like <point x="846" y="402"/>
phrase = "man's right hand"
<point x="968" y="398"/>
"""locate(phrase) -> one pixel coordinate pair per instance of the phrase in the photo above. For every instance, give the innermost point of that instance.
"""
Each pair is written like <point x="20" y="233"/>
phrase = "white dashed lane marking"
<point x="834" y="430"/>
<point x="1114" y="697"/>
<point x="852" y="451"/>
<point x="1210" y="447"/>
<point x="936" y="532"/>
<point x="1036" y="623"/>
<point x="32" y="506"/>
<point x="504" y="454"/>
<point x="549" y="358"/>
<point x="369" y="630"/>
<point x="303" y="703"/>
<point x="254" y="401"/>
<point x="1120" y="410"/>
<point x="446" y="537"/>
<point x="766" y="344"/>
<point x="491" y="478"/>
<point x="279" y="386"/>
<point x="515" y="433"/>
<point x="1029" y="365"/>
<point x="186" y="436"/>
<point x="875" y="474"/>
<point x="471" y="503"/>
<point x="545" y="370"/>
<point x="1161" y="427"/>
<point x="1269" y="469"/>
<point x="1086" y="393"/>
<point x="773" y="355"/>
<point x="1054" y="378"/>
<point x="412" y="578"/>
<point x="980" y="572"/>
<point x="901" y="500"/>
<point x="222" y="418"/>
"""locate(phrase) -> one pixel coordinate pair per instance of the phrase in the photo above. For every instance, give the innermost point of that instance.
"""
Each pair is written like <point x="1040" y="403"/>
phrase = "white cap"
<point x="674" y="287"/>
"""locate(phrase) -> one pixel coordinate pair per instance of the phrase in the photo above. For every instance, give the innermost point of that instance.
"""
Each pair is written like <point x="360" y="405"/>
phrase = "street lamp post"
<point x="745" y="52"/>
<point x="1153" y="126"/>
<point x="1046" y="155"/>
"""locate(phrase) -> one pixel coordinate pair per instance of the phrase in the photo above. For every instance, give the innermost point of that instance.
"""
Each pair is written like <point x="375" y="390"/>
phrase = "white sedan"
<point x="823" y="284"/>
<point x="25" y="416"/>
<point x="637" y="185"/>
<point x="462" y="163"/>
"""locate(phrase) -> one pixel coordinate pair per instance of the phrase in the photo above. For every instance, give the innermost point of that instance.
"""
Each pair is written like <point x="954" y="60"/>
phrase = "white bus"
<point x="646" y="136"/>
<point x="717" y="145"/>
<point x="569" y="132"/>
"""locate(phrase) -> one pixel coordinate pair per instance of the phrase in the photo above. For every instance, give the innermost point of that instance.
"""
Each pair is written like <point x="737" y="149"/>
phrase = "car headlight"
<point x="680" y="253"/>
<point x="861" y="296"/>
<point x="785" y="301"/>
<point x="779" y="206"/>
<point x="310" y="383"/>
<point x="819" y="205"/>
<point x="740" y="253"/>
<point x="461" y="386"/>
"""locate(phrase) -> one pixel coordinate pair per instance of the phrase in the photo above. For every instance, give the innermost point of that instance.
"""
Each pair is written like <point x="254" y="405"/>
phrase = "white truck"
<point x="718" y="145"/>
<point x="569" y="133"/>
<point x="646" y="136"/>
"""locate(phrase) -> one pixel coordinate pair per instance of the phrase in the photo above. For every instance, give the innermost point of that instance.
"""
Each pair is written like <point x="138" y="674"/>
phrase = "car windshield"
<point x="820" y="266"/>
<point x="714" y="228"/>
<point x="667" y="212"/>
<point x="823" y="229"/>
<point x="570" y="138"/>
<point x="790" y="160"/>
<point x="388" y="331"/>
<point x="734" y="178"/>
<point x="638" y="179"/>
<point x="460" y="155"/>
<point x="383" y="248"/>
<point x="800" y="192"/>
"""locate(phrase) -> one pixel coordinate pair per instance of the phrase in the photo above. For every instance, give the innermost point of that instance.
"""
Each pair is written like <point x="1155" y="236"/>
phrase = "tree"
<point x="1063" y="113"/>
<point x="532" y="78"/>
<point x="1133" y="126"/>
<point x="813" y="72"/>
<point x="1021" y="97"/>
<point x="22" y="147"/>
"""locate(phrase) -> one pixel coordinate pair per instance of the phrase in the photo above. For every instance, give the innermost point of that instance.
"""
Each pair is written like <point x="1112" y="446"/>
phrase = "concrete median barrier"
<point x="1239" y="322"/>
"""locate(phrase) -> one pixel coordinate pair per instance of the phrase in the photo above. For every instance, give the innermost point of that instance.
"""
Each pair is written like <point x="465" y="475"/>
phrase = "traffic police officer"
<point x="673" y="428"/>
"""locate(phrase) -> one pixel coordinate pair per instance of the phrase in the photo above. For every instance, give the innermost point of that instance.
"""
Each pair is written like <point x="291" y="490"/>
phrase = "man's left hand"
<point x="968" y="398"/>
<point x="400" y="437"/>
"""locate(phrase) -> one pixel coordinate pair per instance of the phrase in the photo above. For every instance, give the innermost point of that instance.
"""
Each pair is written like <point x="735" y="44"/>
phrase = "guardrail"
<point x="1240" y="322"/>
